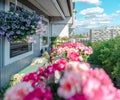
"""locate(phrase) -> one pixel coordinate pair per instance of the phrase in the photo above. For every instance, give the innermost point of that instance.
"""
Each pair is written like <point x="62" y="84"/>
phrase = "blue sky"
<point x="97" y="13"/>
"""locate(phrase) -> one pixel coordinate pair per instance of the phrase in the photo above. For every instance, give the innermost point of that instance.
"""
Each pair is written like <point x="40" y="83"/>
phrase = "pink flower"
<point x="117" y="96"/>
<point x="74" y="56"/>
<point x="50" y="69"/>
<point x="66" y="90"/>
<point x="78" y="97"/>
<point x="94" y="84"/>
<point x="39" y="93"/>
<point x="41" y="71"/>
<point x="32" y="77"/>
<point x="88" y="50"/>
<point x="60" y="50"/>
<point x="69" y="85"/>
<point x="60" y="64"/>
<point x="19" y="91"/>
<point x="31" y="40"/>
<point x="74" y="51"/>
<point x="97" y="85"/>
<point x="77" y="67"/>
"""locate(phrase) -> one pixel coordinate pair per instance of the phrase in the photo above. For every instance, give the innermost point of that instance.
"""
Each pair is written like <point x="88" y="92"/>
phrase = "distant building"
<point x="104" y="34"/>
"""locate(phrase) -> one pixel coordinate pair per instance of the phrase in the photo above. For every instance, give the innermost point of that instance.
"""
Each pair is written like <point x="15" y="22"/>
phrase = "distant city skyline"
<point x="96" y="14"/>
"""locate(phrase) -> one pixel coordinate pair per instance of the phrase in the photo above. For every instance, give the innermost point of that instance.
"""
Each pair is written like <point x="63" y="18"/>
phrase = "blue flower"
<point x="18" y="32"/>
<point x="18" y="25"/>
<point x="2" y="33"/>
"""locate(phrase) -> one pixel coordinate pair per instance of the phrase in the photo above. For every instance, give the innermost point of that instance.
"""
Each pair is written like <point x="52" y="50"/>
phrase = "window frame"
<point x="7" y="58"/>
<point x="46" y="33"/>
<point x="19" y="48"/>
<point x="42" y="47"/>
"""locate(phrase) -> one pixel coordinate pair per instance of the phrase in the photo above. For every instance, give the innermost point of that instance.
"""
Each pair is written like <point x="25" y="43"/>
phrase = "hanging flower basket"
<point x="18" y="25"/>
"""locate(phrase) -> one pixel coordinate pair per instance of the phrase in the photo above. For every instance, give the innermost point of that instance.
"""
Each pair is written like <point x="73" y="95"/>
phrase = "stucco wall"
<point x="61" y="27"/>
<point x="60" y="30"/>
<point x="2" y="7"/>
<point x="8" y="70"/>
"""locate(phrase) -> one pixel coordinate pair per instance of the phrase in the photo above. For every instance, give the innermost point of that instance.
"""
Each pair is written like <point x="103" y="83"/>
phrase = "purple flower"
<point x="7" y="35"/>
<point x="11" y="33"/>
<point x="22" y="27"/>
<point x="26" y="29"/>
<point x="4" y="28"/>
<point x="2" y="33"/>
<point x="28" y="22"/>
<point x="18" y="32"/>
<point x="14" y="26"/>
<point x="22" y="19"/>
<point x="22" y="22"/>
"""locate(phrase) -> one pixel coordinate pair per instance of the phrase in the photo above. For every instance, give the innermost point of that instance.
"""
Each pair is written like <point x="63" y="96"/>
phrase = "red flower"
<point x="78" y="97"/>
<point x="39" y="93"/>
<point x="32" y="77"/>
<point x="60" y="64"/>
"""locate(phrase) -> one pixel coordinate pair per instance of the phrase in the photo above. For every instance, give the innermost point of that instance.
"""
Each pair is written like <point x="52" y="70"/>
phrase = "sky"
<point x="96" y="14"/>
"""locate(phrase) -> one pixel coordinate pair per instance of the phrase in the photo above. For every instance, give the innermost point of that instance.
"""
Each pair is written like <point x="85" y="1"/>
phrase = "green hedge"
<point x="107" y="55"/>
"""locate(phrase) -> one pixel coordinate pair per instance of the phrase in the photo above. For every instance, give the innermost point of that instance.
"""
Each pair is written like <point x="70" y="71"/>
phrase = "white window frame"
<point x="7" y="58"/>
<point x="48" y="32"/>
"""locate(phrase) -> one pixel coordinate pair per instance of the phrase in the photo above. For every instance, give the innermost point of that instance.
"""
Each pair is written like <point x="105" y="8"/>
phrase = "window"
<point x="44" y="40"/>
<point x="45" y="34"/>
<point x="19" y="47"/>
<point x="17" y="50"/>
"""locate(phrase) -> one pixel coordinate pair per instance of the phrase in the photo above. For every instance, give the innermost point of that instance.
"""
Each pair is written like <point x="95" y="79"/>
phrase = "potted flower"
<point x="18" y="25"/>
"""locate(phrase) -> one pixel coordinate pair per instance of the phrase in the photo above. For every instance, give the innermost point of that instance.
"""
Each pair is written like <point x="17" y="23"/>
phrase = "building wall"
<point x="104" y="34"/>
<point x="2" y="7"/>
<point x="7" y="70"/>
<point x="60" y="30"/>
<point x="10" y="66"/>
<point x="1" y="59"/>
<point x="61" y="27"/>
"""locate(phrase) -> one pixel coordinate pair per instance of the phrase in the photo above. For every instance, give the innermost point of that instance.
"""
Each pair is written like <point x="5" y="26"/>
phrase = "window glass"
<point x="21" y="46"/>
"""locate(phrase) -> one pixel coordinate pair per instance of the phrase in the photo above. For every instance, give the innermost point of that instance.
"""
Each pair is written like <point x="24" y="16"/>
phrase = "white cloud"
<point x="94" y="2"/>
<point x="96" y="14"/>
<point x="96" y="18"/>
<point x="118" y="11"/>
<point x="85" y="25"/>
<point x="103" y="17"/>
<point x="91" y="11"/>
<point x="92" y="23"/>
<point x="104" y="22"/>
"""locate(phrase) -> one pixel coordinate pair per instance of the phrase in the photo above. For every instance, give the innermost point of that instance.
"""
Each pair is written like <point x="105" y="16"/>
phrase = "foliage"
<point x="107" y="54"/>
<point x="54" y="87"/>
<point x="3" y="90"/>
<point x="46" y="55"/>
<point x="44" y="40"/>
<point x="58" y="41"/>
